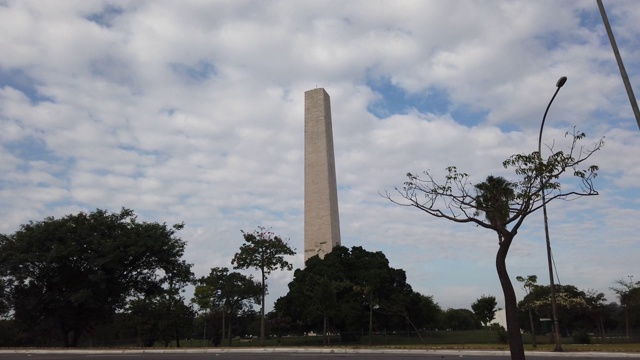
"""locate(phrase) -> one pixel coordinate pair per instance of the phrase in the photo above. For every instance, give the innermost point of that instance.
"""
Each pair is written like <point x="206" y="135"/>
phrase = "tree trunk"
<point x="534" y="342"/>
<point x="229" y="326"/>
<point x="600" y="326"/>
<point x="324" y="330"/>
<point x="626" y="318"/>
<point x="76" y="336"/>
<point x="223" y="328"/>
<point x="174" y="321"/>
<point x="370" y="317"/>
<point x="262" y="310"/>
<point x="65" y="337"/>
<point x="510" y="303"/>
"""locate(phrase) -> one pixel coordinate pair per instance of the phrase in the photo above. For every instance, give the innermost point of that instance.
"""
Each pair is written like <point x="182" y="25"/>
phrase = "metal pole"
<point x="623" y="72"/>
<point x="556" y="323"/>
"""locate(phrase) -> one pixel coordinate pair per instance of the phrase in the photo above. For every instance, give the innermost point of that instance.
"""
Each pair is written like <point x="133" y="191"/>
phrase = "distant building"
<point x="321" y="218"/>
<point x="500" y="318"/>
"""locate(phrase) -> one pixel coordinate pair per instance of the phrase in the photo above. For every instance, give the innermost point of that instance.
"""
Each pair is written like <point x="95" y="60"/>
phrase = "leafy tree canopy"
<point x="485" y="308"/>
<point x="228" y="292"/>
<point x="341" y="287"/>
<point x="160" y="317"/>
<point x="461" y="319"/>
<point x="577" y="309"/>
<point x="264" y="251"/>
<point x="232" y="291"/>
<point x="629" y="295"/>
<point x="68" y="274"/>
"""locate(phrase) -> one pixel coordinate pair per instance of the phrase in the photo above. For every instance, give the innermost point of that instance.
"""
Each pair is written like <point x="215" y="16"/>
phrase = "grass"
<point x="459" y="340"/>
<point x="632" y="348"/>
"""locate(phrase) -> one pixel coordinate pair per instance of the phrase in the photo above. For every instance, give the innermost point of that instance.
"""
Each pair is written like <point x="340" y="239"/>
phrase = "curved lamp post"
<point x="556" y="324"/>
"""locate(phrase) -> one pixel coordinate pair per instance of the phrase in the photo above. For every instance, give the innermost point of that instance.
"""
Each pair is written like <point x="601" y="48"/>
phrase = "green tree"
<point x="314" y="294"/>
<point x="572" y="305"/>
<point x="72" y="273"/>
<point x="371" y="277"/>
<point x="322" y="291"/>
<point x="418" y="311"/>
<point x="264" y="251"/>
<point x="629" y="295"/>
<point x="354" y="289"/>
<point x="528" y="284"/>
<point x="228" y="292"/>
<point x="160" y="317"/>
<point x="461" y="319"/>
<point x="597" y="308"/>
<point x="505" y="204"/>
<point x="177" y="279"/>
<point x="494" y="198"/>
<point x="485" y="308"/>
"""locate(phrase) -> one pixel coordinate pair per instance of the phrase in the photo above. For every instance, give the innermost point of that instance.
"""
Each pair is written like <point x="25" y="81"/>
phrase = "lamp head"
<point x="561" y="81"/>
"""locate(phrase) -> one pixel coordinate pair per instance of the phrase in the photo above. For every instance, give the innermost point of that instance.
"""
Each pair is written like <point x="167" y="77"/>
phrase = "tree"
<point x="315" y="293"/>
<point x="597" y="308"/>
<point x="485" y="308"/>
<point x="629" y="294"/>
<point x="263" y="251"/>
<point x="72" y="273"/>
<point x="229" y="292"/>
<point x="160" y="317"/>
<point x="573" y="307"/>
<point x="371" y="277"/>
<point x="528" y="284"/>
<point x="177" y="278"/>
<point x="505" y="204"/>
<point x="461" y="319"/>
<point x="321" y="290"/>
<point x="354" y="289"/>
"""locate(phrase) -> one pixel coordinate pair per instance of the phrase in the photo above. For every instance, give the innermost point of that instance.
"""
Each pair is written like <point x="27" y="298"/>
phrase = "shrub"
<point x="581" y="336"/>
<point x="501" y="333"/>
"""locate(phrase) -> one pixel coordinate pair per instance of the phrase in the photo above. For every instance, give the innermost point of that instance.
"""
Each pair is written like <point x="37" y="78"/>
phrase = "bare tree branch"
<point x="504" y="203"/>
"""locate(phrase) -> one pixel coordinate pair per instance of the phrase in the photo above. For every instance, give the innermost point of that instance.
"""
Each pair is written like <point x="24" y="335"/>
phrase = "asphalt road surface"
<point x="295" y="355"/>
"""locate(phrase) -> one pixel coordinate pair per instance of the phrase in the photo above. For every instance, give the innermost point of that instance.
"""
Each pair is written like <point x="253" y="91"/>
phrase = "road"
<point x="293" y="354"/>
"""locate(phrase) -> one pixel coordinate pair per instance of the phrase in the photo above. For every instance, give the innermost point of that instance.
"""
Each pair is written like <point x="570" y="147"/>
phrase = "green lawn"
<point x="480" y="340"/>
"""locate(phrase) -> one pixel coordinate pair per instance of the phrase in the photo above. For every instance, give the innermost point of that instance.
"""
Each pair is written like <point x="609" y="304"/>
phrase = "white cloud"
<point x="192" y="111"/>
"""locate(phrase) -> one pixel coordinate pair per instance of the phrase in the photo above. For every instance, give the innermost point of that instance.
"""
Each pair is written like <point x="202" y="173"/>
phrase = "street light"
<point x="556" y="324"/>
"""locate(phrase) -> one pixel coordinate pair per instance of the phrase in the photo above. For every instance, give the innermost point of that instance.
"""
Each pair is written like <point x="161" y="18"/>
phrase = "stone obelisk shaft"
<point x="321" y="219"/>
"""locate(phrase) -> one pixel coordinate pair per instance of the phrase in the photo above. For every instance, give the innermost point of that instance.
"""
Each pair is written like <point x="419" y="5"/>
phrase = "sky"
<point x="193" y="111"/>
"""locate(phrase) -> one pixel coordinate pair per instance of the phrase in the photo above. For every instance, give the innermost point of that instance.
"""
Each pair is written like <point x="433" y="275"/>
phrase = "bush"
<point x="501" y="333"/>
<point x="581" y="337"/>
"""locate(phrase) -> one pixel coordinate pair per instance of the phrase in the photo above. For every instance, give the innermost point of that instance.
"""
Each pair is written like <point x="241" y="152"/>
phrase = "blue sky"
<point x="191" y="111"/>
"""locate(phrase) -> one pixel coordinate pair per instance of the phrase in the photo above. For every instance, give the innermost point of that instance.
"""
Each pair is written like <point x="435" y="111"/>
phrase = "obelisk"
<point x="321" y="219"/>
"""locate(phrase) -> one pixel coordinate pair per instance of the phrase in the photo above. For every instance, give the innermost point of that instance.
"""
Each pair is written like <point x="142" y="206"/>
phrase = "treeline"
<point x="63" y="278"/>
<point x="108" y="279"/>
<point x="581" y="312"/>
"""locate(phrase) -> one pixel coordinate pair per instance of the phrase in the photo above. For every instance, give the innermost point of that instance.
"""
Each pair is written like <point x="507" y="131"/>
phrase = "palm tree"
<point x="494" y="197"/>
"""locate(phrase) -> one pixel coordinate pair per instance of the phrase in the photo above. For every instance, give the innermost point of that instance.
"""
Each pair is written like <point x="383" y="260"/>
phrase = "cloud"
<point x="193" y="111"/>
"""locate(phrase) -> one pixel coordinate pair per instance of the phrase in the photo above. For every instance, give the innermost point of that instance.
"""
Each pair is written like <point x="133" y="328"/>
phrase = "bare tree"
<point x="505" y="204"/>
